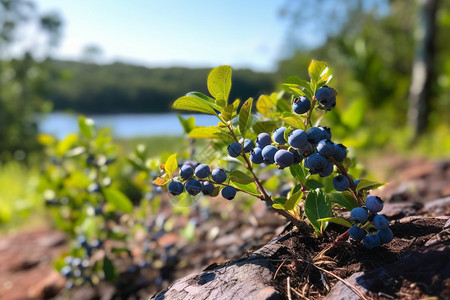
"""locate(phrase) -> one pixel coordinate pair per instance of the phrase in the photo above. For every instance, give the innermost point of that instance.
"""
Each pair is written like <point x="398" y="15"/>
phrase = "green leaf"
<point x="117" y="199"/>
<point x="245" y="116"/>
<point x="211" y="132"/>
<point x="171" y="164"/>
<point x="336" y="220"/>
<point x="313" y="184"/>
<point x="188" y="124"/>
<point x="229" y="112"/>
<point x="194" y="104"/>
<point x="287" y="132"/>
<point x="368" y="185"/>
<point x="294" y="80"/>
<point x="109" y="270"/>
<point x="67" y="143"/>
<point x="87" y="126"/>
<point x="279" y="203"/>
<point x="266" y="104"/>
<point x="299" y="172"/>
<point x="240" y="177"/>
<point x="344" y="199"/>
<point x="293" y="119"/>
<point x="283" y="106"/>
<point x="317" y="207"/>
<point x="89" y="227"/>
<point x="251" y="187"/>
<point x="264" y="126"/>
<point x="219" y="84"/>
<point x="293" y="200"/>
<point x="354" y="115"/>
<point x="316" y="70"/>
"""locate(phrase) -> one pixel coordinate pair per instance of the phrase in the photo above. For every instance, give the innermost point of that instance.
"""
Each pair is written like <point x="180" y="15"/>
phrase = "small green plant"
<point x="282" y="138"/>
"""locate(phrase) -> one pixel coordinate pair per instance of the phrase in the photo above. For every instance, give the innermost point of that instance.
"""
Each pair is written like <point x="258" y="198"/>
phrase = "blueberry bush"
<point x="279" y="138"/>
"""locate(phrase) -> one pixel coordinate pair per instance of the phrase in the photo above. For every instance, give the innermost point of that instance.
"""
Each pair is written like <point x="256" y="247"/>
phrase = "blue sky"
<point x="196" y="33"/>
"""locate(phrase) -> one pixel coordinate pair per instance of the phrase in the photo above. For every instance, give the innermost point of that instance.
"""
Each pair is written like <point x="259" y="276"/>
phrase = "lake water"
<point x="123" y="125"/>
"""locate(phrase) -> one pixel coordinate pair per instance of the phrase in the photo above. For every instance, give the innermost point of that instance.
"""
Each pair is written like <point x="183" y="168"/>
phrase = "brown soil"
<point x="392" y="270"/>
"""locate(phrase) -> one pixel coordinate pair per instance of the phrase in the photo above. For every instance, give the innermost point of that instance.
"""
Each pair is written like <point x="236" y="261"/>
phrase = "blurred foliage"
<point x="121" y="88"/>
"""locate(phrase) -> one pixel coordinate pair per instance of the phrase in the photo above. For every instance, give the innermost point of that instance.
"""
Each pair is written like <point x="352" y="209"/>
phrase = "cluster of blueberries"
<point x="314" y="146"/>
<point x="361" y="215"/>
<point x="201" y="183"/>
<point x="326" y="96"/>
<point x="76" y="267"/>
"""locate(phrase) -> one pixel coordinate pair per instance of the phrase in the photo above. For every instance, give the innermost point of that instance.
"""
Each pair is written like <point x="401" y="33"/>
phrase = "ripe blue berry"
<point x="248" y="145"/>
<point x="202" y="171"/>
<point x="327" y="170"/>
<point x="176" y="187"/>
<point x="340" y="152"/>
<point x="316" y="134"/>
<point x="380" y="222"/>
<point x="193" y="187"/>
<point x="325" y="148"/>
<point x="330" y="104"/>
<point x="186" y="172"/>
<point x="357" y="233"/>
<point x="326" y="96"/>
<point x="301" y="105"/>
<point x="359" y="214"/>
<point x="283" y="158"/>
<point x="234" y="149"/>
<point x="268" y="154"/>
<point x="207" y="188"/>
<point x="306" y="150"/>
<point x="263" y="140"/>
<point x="341" y="183"/>
<point x="297" y="157"/>
<point x="66" y="271"/>
<point x="278" y="135"/>
<point x="228" y="192"/>
<point x="297" y="138"/>
<point x="317" y="163"/>
<point x="82" y="241"/>
<point x="385" y="235"/>
<point x="256" y="156"/>
<point x="371" y="241"/>
<point x="374" y="204"/>
<point x="219" y="175"/>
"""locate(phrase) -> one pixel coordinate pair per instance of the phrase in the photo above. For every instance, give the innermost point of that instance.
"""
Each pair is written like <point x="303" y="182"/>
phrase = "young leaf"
<point x="188" y="124"/>
<point x="266" y="104"/>
<point x="210" y="132"/>
<point x="368" y="185"/>
<point x="293" y="119"/>
<point x="336" y="220"/>
<point x="67" y="143"/>
<point x="317" y="207"/>
<point x="279" y="203"/>
<point x="171" y="164"/>
<point x="194" y="104"/>
<point x="160" y="181"/>
<point x="117" y="199"/>
<point x="298" y="172"/>
<point x="228" y="112"/>
<point x="87" y="126"/>
<point x="240" y="177"/>
<point x="315" y="70"/>
<point x="293" y="200"/>
<point x="251" y="187"/>
<point x="264" y="126"/>
<point x="219" y="84"/>
<point x="245" y="116"/>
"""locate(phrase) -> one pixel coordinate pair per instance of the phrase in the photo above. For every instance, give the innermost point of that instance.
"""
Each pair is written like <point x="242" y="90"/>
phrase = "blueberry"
<point x="297" y="157"/>
<point x="359" y="214"/>
<point x="371" y="241"/>
<point x="66" y="271"/>
<point x="193" y="187"/>
<point x="301" y="105"/>
<point x="219" y="175"/>
<point x="175" y="187"/>
<point x="207" y="188"/>
<point x="330" y="104"/>
<point x="325" y="96"/>
<point x="228" y="192"/>
<point x="234" y="149"/>
<point x="202" y="171"/>
<point x="306" y="150"/>
<point x="327" y="170"/>
<point x="268" y="153"/>
<point x="298" y="138"/>
<point x="385" y="235"/>
<point x="93" y="188"/>
<point x="186" y="171"/>
<point x="283" y="158"/>
<point x="317" y="163"/>
<point x="278" y="135"/>
<point x="340" y="152"/>
<point x="356" y="181"/>
<point x="256" y="156"/>
<point x="248" y="145"/>
<point x="82" y="241"/>
<point x="316" y="134"/>
<point x="357" y="233"/>
<point x="374" y="204"/>
<point x="325" y="148"/>
<point x="341" y="183"/>
<point x="381" y="222"/>
<point x="263" y="140"/>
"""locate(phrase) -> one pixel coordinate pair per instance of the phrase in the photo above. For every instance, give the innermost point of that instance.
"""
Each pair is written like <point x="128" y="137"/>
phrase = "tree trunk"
<point x="420" y="91"/>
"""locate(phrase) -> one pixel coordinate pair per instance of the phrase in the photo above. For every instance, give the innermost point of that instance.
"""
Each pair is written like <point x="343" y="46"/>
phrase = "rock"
<point x="342" y="292"/>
